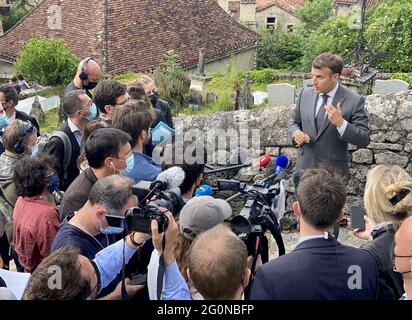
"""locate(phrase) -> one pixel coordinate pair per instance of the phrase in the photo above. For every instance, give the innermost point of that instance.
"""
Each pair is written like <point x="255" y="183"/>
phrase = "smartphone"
<point x="357" y="217"/>
<point x="139" y="279"/>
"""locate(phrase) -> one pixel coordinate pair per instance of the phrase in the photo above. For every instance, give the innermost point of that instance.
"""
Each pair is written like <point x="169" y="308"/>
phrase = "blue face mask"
<point x="4" y="121"/>
<point x="116" y="225"/>
<point x="54" y="183"/>
<point x="129" y="164"/>
<point x="93" y="113"/>
<point x="34" y="150"/>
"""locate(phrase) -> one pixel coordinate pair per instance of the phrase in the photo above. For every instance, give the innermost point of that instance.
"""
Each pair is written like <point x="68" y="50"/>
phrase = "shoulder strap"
<point x="67" y="151"/>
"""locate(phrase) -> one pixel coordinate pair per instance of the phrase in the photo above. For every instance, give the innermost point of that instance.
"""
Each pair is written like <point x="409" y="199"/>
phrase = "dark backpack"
<point x="44" y="139"/>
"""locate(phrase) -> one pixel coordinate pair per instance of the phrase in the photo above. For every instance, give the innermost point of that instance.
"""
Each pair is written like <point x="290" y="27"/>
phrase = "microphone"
<point x="263" y="161"/>
<point x="204" y="190"/>
<point x="281" y="163"/>
<point x="169" y="179"/>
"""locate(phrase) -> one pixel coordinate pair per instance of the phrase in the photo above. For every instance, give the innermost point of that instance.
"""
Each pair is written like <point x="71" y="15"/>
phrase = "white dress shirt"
<point x="78" y="134"/>
<point x="331" y="95"/>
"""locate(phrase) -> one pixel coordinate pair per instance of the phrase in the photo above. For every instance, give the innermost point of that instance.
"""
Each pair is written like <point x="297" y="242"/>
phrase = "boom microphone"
<point x="169" y="179"/>
<point x="238" y="157"/>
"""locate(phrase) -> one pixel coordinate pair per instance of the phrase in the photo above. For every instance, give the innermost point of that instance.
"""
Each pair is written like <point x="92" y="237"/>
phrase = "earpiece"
<point x="83" y="74"/>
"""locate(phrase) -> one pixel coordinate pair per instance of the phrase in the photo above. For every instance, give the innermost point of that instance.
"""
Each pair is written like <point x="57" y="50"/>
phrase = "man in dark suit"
<point x="9" y="98"/>
<point x="320" y="267"/>
<point x="328" y="117"/>
<point x="79" y="109"/>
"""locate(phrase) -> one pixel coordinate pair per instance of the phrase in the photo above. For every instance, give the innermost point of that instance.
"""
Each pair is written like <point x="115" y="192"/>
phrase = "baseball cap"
<point x="202" y="213"/>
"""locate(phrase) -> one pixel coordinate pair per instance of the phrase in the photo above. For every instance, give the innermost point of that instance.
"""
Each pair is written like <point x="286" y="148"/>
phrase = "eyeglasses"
<point x="394" y="265"/>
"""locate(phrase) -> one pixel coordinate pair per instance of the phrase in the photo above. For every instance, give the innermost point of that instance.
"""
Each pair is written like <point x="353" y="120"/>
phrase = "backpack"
<point x="44" y="139"/>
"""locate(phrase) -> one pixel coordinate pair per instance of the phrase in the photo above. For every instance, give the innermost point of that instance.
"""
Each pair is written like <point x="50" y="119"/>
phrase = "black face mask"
<point x="90" y="86"/>
<point x="154" y="98"/>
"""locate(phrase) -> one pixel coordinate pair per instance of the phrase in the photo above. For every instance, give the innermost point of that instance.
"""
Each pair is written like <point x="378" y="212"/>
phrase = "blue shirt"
<point x="144" y="168"/>
<point x="109" y="261"/>
<point x="175" y="286"/>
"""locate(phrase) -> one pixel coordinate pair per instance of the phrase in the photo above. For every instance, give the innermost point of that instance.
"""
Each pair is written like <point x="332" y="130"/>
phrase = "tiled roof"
<point x="286" y="5"/>
<point x="138" y="32"/>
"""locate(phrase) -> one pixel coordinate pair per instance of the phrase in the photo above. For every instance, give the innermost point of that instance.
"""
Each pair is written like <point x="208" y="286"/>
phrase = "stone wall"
<point x="390" y="120"/>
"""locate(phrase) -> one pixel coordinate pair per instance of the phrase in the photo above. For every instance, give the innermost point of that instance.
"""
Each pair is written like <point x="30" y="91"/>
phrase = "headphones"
<point x="83" y="74"/>
<point x="23" y="132"/>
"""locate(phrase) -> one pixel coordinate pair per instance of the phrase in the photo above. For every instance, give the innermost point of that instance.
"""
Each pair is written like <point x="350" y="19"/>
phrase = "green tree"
<point x="173" y="84"/>
<point x="47" y="61"/>
<point x="389" y="31"/>
<point x="313" y="14"/>
<point x="279" y="50"/>
<point x="16" y="14"/>
<point x="332" y="36"/>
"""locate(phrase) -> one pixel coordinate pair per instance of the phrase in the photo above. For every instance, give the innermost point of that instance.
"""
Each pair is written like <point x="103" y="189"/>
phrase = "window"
<point x="289" y="28"/>
<point x="270" y="22"/>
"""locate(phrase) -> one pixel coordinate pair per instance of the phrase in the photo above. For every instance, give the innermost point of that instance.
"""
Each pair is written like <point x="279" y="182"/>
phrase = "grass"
<point x="51" y="121"/>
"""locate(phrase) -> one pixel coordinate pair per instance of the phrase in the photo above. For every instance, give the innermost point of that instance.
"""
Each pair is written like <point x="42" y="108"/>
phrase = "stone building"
<point x="343" y="7"/>
<point x="131" y="35"/>
<point x="263" y="14"/>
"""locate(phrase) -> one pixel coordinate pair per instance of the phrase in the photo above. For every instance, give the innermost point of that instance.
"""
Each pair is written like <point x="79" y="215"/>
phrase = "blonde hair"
<point x="383" y="182"/>
<point x="144" y="80"/>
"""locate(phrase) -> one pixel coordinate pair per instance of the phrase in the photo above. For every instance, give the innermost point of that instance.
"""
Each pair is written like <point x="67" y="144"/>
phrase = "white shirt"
<point x="331" y="95"/>
<point x="78" y="134"/>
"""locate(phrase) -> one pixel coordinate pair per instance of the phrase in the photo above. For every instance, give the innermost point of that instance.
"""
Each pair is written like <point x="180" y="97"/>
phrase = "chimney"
<point x="224" y="4"/>
<point x="248" y="13"/>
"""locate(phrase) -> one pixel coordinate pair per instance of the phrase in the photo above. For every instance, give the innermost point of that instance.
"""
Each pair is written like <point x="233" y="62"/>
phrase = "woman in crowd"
<point x="35" y="220"/>
<point x="388" y="201"/>
<point x="19" y="139"/>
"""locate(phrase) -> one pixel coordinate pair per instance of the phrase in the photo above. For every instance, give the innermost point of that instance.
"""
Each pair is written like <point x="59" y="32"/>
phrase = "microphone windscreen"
<point x="173" y="177"/>
<point x="282" y="161"/>
<point x="263" y="161"/>
<point x="204" y="190"/>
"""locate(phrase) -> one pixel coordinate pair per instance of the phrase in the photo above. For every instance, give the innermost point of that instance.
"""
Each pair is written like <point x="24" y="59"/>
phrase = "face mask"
<point x="154" y="98"/>
<point x="110" y="229"/>
<point x="93" y="113"/>
<point x="129" y="164"/>
<point x="90" y="86"/>
<point x="54" y="183"/>
<point x="34" y="150"/>
<point x="4" y="121"/>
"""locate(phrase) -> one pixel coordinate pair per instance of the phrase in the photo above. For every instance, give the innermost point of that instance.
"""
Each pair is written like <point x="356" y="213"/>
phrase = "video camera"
<point x="162" y="193"/>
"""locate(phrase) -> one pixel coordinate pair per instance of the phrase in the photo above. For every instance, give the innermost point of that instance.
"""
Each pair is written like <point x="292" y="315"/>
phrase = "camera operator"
<point x="217" y="264"/>
<point x="92" y="228"/>
<point x="198" y="215"/>
<point x="176" y="155"/>
<point x="80" y="277"/>
<point x="320" y="267"/>
<point x="105" y="149"/>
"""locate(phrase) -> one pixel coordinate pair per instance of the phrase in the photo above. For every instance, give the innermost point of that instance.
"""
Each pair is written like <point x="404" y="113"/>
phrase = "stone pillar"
<point x="199" y="82"/>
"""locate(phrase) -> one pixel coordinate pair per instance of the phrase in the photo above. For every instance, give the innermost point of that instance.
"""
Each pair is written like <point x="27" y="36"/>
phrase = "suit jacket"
<point x="25" y="117"/>
<point x="317" y="269"/>
<point x="327" y="146"/>
<point x="55" y="148"/>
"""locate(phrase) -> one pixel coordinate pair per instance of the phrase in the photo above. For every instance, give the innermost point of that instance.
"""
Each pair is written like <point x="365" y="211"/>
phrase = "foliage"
<point x="280" y="50"/>
<point x="390" y="25"/>
<point x="172" y="82"/>
<point x="403" y="76"/>
<point x="51" y="121"/>
<point x="332" y="36"/>
<point x="16" y="14"/>
<point x="127" y="78"/>
<point x="47" y="61"/>
<point x="313" y="14"/>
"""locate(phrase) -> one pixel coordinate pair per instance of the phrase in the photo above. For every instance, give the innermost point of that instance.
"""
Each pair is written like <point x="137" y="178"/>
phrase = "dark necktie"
<point x="320" y="117"/>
